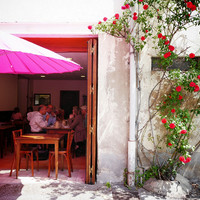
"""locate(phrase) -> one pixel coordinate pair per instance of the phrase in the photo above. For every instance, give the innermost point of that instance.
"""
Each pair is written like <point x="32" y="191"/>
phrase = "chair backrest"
<point x="16" y="133"/>
<point x="69" y="140"/>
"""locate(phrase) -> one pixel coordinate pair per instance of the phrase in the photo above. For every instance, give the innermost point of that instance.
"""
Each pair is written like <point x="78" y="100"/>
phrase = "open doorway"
<point x="81" y="85"/>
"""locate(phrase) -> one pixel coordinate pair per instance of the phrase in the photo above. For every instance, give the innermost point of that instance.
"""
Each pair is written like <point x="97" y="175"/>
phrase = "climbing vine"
<point x="175" y="98"/>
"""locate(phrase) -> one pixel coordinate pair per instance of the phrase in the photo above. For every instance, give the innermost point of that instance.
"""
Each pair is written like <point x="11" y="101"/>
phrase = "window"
<point x="40" y="99"/>
<point x="178" y="63"/>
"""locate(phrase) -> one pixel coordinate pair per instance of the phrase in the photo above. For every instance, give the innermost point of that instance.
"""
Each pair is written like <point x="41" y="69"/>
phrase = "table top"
<point x="4" y="127"/>
<point x="40" y="137"/>
<point x="53" y="128"/>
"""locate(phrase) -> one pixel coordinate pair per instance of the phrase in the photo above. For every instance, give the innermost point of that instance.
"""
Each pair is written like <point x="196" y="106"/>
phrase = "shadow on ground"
<point x="10" y="191"/>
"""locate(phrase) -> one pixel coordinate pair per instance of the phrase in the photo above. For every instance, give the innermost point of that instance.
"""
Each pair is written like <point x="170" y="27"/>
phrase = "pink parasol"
<point x="18" y="56"/>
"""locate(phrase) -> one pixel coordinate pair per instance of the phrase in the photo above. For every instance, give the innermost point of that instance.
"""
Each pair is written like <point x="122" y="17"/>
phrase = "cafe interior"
<point x="53" y="149"/>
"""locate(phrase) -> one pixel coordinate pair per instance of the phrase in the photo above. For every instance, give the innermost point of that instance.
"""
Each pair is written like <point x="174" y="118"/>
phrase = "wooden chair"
<point x="66" y="152"/>
<point x="25" y="150"/>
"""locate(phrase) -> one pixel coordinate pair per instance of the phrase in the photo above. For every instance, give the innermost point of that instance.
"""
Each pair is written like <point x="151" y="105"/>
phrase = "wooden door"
<point x="91" y="112"/>
<point x="68" y="99"/>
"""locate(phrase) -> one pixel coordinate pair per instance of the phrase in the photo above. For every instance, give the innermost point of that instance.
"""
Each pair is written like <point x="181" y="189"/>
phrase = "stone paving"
<point x="40" y="187"/>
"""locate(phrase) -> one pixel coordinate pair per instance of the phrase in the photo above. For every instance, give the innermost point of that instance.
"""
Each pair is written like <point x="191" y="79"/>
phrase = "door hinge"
<point x="91" y="129"/>
<point x="92" y="50"/>
<point x="91" y="169"/>
<point x="91" y="89"/>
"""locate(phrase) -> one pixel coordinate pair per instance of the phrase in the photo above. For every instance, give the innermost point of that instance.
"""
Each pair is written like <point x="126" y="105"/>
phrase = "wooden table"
<point x="3" y="130"/>
<point x="51" y="130"/>
<point x="38" y="139"/>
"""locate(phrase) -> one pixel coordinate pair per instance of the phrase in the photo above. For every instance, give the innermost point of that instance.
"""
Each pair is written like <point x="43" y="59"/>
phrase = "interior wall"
<point x="22" y="95"/>
<point x="8" y="91"/>
<point x="113" y="108"/>
<point x="54" y="87"/>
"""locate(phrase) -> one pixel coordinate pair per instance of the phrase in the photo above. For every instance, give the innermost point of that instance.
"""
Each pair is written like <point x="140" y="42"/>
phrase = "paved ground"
<point x="40" y="187"/>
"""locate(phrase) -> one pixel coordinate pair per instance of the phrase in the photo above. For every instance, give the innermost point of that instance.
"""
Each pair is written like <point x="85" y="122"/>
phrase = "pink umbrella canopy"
<point x="18" y="56"/>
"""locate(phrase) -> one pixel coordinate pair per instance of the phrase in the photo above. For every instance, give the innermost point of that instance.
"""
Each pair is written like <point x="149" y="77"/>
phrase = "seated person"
<point x="84" y="114"/>
<point x="16" y="115"/>
<point x="30" y="113"/>
<point x="37" y="122"/>
<point x="76" y="122"/>
<point x="60" y="121"/>
<point x="52" y="115"/>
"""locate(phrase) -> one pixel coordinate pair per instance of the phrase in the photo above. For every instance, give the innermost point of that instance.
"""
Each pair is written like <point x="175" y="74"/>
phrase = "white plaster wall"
<point x="8" y="91"/>
<point x="113" y="108"/>
<point x="54" y="16"/>
<point x="39" y="11"/>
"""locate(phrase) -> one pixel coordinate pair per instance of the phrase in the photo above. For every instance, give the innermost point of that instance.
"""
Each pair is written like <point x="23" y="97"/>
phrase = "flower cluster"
<point x="135" y="17"/>
<point x="127" y="6"/>
<point x="190" y="5"/>
<point x="183" y="160"/>
<point x="196" y="87"/>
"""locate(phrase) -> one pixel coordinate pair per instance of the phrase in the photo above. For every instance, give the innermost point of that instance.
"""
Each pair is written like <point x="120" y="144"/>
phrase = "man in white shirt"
<point x="37" y="122"/>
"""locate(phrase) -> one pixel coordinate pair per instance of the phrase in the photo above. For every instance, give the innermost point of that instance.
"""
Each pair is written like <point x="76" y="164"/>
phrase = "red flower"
<point x="193" y="7"/>
<point x="168" y="54"/>
<point x="143" y="38"/>
<point x="178" y="88"/>
<point x="164" y="37"/>
<point x="173" y="110"/>
<point x="196" y="88"/>
<point x="182" y="159"/>
<point x="180" y="97"/>
<point x="114" y="22"/>
<point x="99" y="22"/>
<point x="123" y="7"/>
<point x="164" y="121"/>
<point x="164" y="102"/>
<point x="183" y="132"/>
<point x="160" y="35"/>
<point x="135" y="17"/>
<point x="192" y="55"/>
<point x="157" y="9"/>
<point x="134" y="13"/>
<point x="140" y="0"/>
<point x="172" y="126"/>
<point x="169" y="144"/>
<point x="105" y="19"/>
<point x="171" y="48"/>
<point x="167" y="42"/>
<point x="198" y="76"/>
<point x="145" y="7"/>
<point x="188" y="159"/>
<point x="127" y="6"/>
<point x="189" y="4"/>
<point x="90" y="27"/>
<point x="192" y="84"/>
<point x="170" y="96"/>
<point x="116" y="16"/>
<point x="146" y="31"/>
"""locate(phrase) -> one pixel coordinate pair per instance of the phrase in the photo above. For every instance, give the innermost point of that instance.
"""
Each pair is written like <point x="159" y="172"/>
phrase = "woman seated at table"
<point x="16" y="115"/>
<point x="76" y="122"/>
